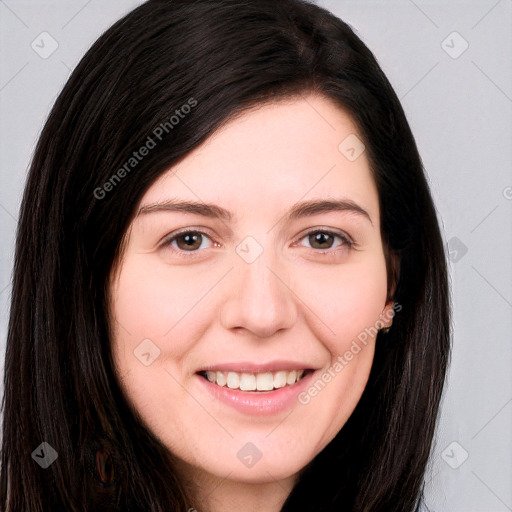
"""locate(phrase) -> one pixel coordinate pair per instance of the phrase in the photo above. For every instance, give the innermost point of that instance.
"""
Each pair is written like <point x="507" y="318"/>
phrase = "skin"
<point x="300" y="299"/>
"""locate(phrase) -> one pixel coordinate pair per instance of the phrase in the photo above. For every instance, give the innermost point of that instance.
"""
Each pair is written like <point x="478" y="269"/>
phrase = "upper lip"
<point x="250" y="367"/>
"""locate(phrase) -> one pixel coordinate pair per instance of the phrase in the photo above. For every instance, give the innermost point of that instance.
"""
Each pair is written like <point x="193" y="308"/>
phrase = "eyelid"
<point x="182" y="231"/>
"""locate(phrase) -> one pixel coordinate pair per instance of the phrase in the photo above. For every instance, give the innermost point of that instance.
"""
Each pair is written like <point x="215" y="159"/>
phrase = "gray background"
<point x="458" y="102"/>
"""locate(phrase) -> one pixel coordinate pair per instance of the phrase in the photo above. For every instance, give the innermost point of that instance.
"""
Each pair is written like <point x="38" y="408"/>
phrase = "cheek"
<point x="169" y="308"/>
<point x="151" y="309"/>
<point x="348" y="300"/>
<point x="348" y="303"/>
<point x="151" y="300"/>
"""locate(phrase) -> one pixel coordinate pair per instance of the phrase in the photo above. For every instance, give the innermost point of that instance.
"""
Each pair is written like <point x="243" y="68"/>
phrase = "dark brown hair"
<point x="226" y="56"/>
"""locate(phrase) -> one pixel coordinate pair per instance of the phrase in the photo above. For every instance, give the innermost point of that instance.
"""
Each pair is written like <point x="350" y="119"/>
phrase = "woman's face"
<point x="282" y="269"/>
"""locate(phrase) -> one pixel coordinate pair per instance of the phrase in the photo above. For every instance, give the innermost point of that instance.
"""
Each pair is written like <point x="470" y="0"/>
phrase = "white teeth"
<point x="248" y="382"/>
<point x="280" y="379"/>
<point x="222" y="380"/>
<point x="255" y="381"/>
<point x="265" y="382"/>
<point x="292" y="377"/>
<point x="211" y="376"/>
<point x="233" y="380"/>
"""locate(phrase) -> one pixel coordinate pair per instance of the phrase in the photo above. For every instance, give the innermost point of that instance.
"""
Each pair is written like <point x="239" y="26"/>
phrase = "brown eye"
<point x="188" y="241"/>
<point x="322" y="239"/>
<point x="326" y="239"/>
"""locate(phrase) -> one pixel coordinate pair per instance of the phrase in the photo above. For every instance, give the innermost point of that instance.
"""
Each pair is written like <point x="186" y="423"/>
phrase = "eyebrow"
<point x="298" y="210"/>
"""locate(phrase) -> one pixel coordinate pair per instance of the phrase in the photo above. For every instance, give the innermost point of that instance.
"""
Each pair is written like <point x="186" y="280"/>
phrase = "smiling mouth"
<point x="255" y="382"/>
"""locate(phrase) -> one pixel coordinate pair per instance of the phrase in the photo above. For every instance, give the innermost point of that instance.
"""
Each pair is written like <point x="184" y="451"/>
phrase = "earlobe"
<point x="386" y="317"/>
<point x="393" y="272"/>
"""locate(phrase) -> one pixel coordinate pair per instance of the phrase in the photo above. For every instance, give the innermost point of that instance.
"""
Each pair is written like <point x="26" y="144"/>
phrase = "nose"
<point x="260" y="298"/>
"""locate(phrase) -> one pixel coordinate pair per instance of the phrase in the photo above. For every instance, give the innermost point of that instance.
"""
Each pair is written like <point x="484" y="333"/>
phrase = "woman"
<point x="230" y="287"/>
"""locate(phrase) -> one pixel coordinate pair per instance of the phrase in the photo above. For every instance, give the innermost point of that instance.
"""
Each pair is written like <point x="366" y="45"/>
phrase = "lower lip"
<point x="262" y="403"/>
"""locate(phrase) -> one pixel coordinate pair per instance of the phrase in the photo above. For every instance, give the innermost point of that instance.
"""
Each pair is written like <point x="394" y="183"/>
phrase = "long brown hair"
<point x="59" y="383"/>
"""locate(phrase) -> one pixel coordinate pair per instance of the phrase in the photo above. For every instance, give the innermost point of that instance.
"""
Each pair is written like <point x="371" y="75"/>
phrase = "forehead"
<point x="274" y="155"/>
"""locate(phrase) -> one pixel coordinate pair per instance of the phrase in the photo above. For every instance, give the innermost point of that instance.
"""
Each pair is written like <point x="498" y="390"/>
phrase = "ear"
<point x="393" y="272"/>
<point x="386" y="317"/>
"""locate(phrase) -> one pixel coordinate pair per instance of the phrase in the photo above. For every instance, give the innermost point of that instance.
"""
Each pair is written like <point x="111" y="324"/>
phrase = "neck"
<point x="214" y="494"/>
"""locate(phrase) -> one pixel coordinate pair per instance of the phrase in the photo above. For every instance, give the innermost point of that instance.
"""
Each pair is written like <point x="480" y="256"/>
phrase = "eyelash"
<point x="346" y="242"/>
